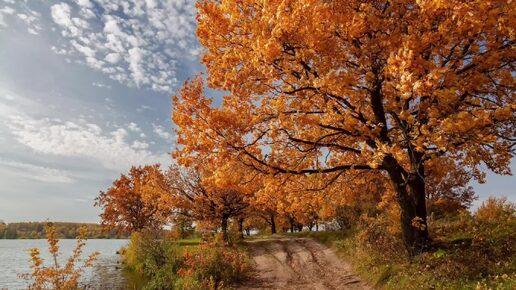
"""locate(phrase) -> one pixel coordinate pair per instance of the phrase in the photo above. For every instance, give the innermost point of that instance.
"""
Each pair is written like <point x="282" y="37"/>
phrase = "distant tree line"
<point x="64" y="230"/>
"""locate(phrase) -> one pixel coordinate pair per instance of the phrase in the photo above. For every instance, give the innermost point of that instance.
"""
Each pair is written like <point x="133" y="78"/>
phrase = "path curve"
<point x="298" y="263"/>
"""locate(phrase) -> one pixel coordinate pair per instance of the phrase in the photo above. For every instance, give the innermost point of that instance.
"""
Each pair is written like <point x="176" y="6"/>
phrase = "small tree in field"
<point x="136" y="201"/>
<point x="54" y="275"/>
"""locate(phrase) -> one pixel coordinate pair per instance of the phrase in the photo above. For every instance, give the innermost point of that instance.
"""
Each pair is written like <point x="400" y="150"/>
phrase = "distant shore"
<point x="65" y="230"/>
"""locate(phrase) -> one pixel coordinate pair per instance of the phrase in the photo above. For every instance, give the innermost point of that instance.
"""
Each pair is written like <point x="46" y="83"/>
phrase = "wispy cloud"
<point x="133" y="127"/>
<point x="74" y="139"/>
<point x="101" y="85"/>
<point x="23" y="13"/>
<point x="36" y="172"/>
<point x="140" y="145"/>
<point x="143" y="108"/>
<point x="161" y="132"/>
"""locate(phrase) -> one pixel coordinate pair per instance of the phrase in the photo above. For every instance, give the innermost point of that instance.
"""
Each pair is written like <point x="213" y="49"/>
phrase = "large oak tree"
<point x="331" y="87"/>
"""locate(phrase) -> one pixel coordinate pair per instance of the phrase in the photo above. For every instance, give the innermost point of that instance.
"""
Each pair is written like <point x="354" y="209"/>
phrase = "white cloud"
<point x="8" y="97"/>
<point x="87" y="13"/>
<point x="102" y="85"/>
<point x="135" y="58"/>
<point x="143" y="108"/>
<point x="26" y="15"/>
<point x="73" y="139"/>
<point x="61" y="14"/>
<point x="7" y="10"/>
<point x="84" y="3"/>
<point x="139" y="145"/>
<point x="112" y="57"/>
<point x="137" y="42"/>
<point x="36" y="172"/>
<point x="119" y="135"/>
<point x="2" y="21"/>
<point x="161" y="132"/>
<point x="94" y="128"/>
<point x="85" y="50"/>
<point x="32" y="31"/>
<point x="133" y="127"/>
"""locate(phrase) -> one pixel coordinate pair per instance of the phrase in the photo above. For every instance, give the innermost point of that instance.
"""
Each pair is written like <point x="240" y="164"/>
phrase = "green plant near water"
<point x="171" y="264"/>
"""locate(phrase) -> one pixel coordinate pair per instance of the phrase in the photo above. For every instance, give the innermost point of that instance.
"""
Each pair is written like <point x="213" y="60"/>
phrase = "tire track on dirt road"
<point x="298" y="263"/>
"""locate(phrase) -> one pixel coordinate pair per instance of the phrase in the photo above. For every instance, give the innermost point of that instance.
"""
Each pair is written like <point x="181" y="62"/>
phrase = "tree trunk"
<point x="241" y="227"/>
<point x="273" y="225"/>
<point x="224" y="227"/>
<point x="416" y="187"/>
<point x="411" y="199"/>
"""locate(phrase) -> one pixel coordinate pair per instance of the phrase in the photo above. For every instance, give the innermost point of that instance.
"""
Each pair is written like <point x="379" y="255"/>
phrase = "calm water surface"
<point x="14" y="259"/>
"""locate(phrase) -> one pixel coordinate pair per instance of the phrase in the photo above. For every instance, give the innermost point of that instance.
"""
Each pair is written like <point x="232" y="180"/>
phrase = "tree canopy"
<point x="336" y="87"/>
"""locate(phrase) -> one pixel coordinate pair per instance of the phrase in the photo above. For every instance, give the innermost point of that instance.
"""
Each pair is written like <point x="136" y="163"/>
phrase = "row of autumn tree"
<point x="150" y="198"/>
<point x="212" y="199"/>
<point x="332" y="101"/>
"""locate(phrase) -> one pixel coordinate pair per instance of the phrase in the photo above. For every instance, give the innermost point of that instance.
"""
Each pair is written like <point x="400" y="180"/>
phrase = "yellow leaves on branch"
<point x="53" y="275"/>
<point x="301" y="71"/>
<point x="417" y="222"/>
<point x="334" y="87"/>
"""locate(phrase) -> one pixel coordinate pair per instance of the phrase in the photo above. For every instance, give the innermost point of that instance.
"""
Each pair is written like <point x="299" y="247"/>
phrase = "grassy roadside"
<point x="188" y="264"/>
<point x="385" y="271"/>
<point x="135" y="279"/>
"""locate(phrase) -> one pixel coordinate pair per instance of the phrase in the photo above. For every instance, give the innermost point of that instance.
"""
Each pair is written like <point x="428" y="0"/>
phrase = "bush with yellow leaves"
<point x="54" y="275"/>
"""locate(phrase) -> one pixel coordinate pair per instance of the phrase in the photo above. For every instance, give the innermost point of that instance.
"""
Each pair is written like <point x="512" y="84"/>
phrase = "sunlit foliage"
<point x="336" y="87"/>
<point x="52" y="274"/>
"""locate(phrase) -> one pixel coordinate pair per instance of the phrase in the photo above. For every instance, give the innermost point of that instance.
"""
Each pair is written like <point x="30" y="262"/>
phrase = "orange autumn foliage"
<point x="136" y="201"/>
<point x="495" y="210"/>
<point x="211" y="195"/>
<point x="334" y="87"/>
<point x="54" y="275"/>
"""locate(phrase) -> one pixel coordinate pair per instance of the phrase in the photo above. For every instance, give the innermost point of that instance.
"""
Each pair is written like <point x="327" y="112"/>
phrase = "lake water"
<point x="14" y="260"/>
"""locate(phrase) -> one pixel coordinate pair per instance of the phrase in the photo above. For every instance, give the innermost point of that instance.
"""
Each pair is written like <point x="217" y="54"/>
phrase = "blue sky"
<point x="85" y="90"/>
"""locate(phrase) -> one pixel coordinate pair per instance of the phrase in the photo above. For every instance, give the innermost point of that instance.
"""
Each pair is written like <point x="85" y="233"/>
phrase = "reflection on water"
<point x="107" y="273"/>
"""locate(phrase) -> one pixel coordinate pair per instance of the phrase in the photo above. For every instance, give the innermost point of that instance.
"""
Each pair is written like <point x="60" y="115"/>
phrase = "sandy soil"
<point x="298" y="263"/>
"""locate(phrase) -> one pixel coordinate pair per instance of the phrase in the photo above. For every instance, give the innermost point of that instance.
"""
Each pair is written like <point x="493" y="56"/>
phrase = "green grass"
<point x="189" y="242"/>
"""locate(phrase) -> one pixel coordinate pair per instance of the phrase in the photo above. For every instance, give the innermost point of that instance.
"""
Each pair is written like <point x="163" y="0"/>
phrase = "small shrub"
<point x="215" y="265"/>
<point x="56" y="276"/>
<point x="157" y="260"/>
<point x="495" y="210"/>
<point x="164" y="264"/>
<point x="375" y="235"/>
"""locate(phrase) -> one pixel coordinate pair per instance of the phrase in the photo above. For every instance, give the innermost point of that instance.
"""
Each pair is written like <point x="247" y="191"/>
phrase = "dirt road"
<point x="298" y="263"/>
